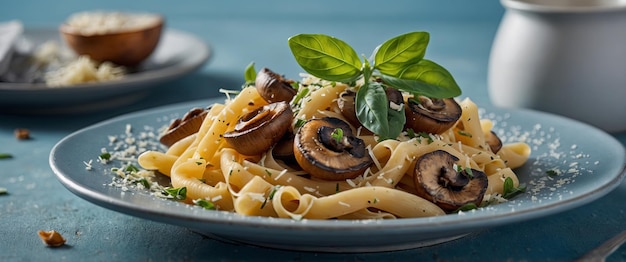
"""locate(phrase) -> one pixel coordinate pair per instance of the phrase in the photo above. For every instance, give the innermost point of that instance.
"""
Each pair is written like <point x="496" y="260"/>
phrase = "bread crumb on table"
<point x="22" y="133"/>
<point x="51" y="238"/>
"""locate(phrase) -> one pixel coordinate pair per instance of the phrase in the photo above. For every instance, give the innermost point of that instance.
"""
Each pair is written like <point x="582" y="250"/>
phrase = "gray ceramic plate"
<point x="177" y="54"/>
<point x="590" y="161"/>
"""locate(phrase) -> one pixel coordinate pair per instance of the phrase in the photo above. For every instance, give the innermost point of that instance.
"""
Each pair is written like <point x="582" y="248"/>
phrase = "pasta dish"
<point x="300" y="150"/>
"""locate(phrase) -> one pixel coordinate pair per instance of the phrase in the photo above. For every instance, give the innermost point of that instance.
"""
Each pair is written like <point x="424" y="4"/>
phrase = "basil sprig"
<point x="399" y="62"/>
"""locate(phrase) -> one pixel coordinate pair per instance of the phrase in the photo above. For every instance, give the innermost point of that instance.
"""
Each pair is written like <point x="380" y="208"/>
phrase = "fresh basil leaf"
<point x="250" y="74"/>
<point x="371" y="107"/>
<point x="395" y="54"/>
<point x="425" y="78"/>
<point x="326" y="57"/>
<point x="372" y="110"/>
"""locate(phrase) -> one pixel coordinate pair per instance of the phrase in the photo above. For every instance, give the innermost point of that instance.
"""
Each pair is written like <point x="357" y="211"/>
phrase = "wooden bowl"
<point x="123" y="46"/>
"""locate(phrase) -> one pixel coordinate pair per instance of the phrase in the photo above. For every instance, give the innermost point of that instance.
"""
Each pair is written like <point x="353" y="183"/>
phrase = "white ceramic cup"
<point x="562" y="56"/>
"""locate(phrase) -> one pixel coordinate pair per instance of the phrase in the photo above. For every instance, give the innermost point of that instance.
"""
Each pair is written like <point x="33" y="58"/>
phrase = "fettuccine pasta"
<point x="211" y="169"/>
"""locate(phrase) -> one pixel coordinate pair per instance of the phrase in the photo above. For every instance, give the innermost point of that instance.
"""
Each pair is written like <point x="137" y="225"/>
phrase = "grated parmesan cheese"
<point x="104" y="22"/>
<point x="344" y="204"/>
<point x="280" y="174"/>
<point x="83" y="70"/>
<point x="216" y="198"/>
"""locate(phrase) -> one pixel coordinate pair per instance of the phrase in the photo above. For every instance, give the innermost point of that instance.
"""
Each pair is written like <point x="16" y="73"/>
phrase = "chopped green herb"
<point x="468" y="172"/>
<point x="273" y="192"/>
<point x="410" y="133"/>
<point x="105" y="156"/>
<point x="510" y="190"/>
<point x="179" y="193"/>
<point x="463" y="133"/>
<point x="300" y="122"/>
<point x="301" y="94"/>
<point x="425" y="135"/>
<point x="271" y="196"/>
<point x="205" y="204"/>
<point x="131" y="168"/>
<point x="295" y="85"/>
<point x="552" y="173"/>
<point x="268" y="173"/>
<point x="144" y="182"/>
<point x="337" y="134"/>
<point x="5" y="156"/>
<point x="466" y="207"/>
<point x="337" y="188"/>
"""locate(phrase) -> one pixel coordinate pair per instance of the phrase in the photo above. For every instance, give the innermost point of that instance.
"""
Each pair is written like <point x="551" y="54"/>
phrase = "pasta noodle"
<point x="261" y="185"/>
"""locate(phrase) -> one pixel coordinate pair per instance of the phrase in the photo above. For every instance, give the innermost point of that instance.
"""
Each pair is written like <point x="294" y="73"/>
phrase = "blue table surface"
<point x="239" y="32"/>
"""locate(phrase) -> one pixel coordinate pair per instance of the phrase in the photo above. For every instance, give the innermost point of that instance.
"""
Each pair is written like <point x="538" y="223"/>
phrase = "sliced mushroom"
<point x="327" y="149"/>
<point x="437" y="180"/>
<point x="283" y="149"/>
<point x="256" y="131"/>
<point x="431" y="115"/>
<point x="395" y="98"/>
<point x="273" y="87"/>
<point x="494" y="142"/>
<point x="182" y="127"/>
<point x="347" y="106"/>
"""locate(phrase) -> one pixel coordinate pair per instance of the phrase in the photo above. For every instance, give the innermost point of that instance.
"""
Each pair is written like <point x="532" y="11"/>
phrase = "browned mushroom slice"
<point x="257" y="131"/>
<point x="326" y="149"/>
<point x="273" y="87"/>
<point x="494" y="142"/>
<point x="437" y="180"/>
<point x="283" y="149"/>
<point x="432" y="115"/>
<point x="346" y="106"/>
<point x="188" y="125"/>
